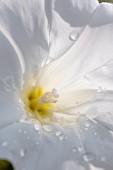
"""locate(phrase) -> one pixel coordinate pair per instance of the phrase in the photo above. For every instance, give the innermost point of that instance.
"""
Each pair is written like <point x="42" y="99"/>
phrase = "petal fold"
<point x="92" y="50"/>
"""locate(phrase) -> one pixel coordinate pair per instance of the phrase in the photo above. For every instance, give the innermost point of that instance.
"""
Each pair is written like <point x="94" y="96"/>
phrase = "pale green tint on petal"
<point x="92" y="50"/>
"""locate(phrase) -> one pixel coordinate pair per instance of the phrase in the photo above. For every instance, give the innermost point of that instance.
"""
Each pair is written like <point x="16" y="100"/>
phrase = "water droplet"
<point x="9" y="84"/>
<point x="48" y="128"/>
<point x="37" y="126"/>
<point x="103" y="158"/>
<point x="81" y="149"/>
<point x="20" y="101"/>
<point x="92" y="112"/>
<point x="25" y="131"/>
<point x="22" y="152"/>
<point x="37" y="143"/>
<point x="88" y="157"/>
<point x="23" y="169"/>
<point x="61" y="137"/>
<point x="19" y="130"/>
<point x="30" y="18"/>
<point x="74" y="149"/>
<point x="87" y="125"/>
<point x="100" y="93"/>
<point x="58" y="133"/>
<point x="28" y="137"/>
<point x="66" y="137"/>
<point x="4" y="144"/>
<point x="86" y="77"/>
<point x="74" y="35"/>
<point x="95" y="133"/>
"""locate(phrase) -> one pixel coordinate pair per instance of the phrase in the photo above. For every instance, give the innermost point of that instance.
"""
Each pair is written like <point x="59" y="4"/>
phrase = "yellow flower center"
<point x="38" y="103"/>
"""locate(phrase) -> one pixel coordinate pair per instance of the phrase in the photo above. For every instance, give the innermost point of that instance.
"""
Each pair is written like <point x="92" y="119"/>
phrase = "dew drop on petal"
<point x="100" y="93"/>
<point x="95" y="133"/>
<point x="103" y="158"/>
<point x="87" y="125"/>
<point x="74" y="149"/>
<point x="73" y="35"/>
<point x="4" y="144"/>
<point x="80" y="149"/>
<point x="22" y="152"/>
<point x="61" y="137"/>
<point x="28" y="137"/>
<point x="25" y="131"/>
<point x="19" y="130"/>
<point x="9" y="84"/>
<point x="37" y="143"/>
<point x="92" y="112"/>
<point x="88" y="157"/>
<point x="48" y="128"/>
<point x="58" y="133"/>
<point x="37" y="126"/>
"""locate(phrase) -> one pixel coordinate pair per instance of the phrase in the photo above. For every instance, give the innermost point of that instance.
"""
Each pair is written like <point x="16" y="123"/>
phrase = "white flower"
<point x="64" y="50"/>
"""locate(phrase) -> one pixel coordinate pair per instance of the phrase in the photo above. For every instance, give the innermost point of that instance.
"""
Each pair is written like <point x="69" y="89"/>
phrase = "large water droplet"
<point x="61" y="137"/>
<point x="88" y="157"/>
<point x="48" y="128"/>
<point x="74" y="35"/>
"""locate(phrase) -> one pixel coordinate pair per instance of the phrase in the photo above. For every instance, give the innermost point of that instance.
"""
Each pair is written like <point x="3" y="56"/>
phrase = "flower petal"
<point x="85" y="103"/>
<point x="92" y="50"/>
<point x="75" y="146"/>
<point x="26" y="23"/>
<point x="10" y="81"/>
<point x="98" y="141"/>
<point x="66" y="17"/>
<point x="48" y="150"/>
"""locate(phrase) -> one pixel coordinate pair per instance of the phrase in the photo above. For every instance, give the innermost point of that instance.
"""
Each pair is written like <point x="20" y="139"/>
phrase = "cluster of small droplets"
<point x="50" y="97"/>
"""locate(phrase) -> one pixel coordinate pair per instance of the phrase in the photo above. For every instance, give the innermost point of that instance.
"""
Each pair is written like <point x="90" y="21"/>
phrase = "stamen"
<point x="50" y="97"/>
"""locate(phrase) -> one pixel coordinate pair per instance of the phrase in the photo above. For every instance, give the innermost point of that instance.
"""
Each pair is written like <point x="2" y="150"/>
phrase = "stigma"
<point x="38" y="103"/>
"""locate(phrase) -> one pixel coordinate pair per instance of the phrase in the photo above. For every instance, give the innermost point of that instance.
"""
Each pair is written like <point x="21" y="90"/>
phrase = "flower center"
<point x="38" y="103"/>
